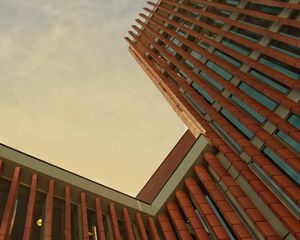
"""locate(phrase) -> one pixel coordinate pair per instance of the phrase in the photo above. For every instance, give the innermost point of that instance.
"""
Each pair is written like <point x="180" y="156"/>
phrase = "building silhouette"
<point x="230" y="70"/>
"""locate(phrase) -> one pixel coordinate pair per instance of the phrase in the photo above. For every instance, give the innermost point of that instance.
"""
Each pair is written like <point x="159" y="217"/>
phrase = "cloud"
<point x="72" y="94"/>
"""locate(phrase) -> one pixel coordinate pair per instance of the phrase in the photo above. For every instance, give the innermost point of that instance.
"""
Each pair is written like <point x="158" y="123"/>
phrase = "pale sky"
<point x="71" y="93"/>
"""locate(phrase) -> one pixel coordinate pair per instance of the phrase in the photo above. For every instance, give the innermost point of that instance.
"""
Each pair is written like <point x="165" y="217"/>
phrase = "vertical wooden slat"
<point x="128" y="226"/>
<point x="85" y="227"/>
<point x="10" y="204"/>
<point x="30" y="208"/>
<point x="100" y="225"/>
<point x="49" y="212"/>
<point x="153" y="229"/>
<point x="141" y="227"/>
<point x="68" y="212"/>
<point x="114" y="221"/>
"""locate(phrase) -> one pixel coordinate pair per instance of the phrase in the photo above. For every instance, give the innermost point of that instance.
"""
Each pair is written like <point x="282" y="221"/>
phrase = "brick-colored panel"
<point x="30" y="208"/>
<point x="204" y="207"/>
<point x="166" y="227"/>
<point x="68" y="228"/>
<point x="100" y="225"/>
<point x="9" y="206"/>
<point x="114" y="221"/>
<point x="166" y="169"/>
<point x="128" y="226"/>
<point x="178" y="221"/>
<point x="189" y="212"/>
<point x="153" y="230"/>
<point x="49" y="212"/>
<point x="141" y="227"/>
<point x="266" y="195"/>
<point x="250" y="123"/>
<point x="268" y="51"/>
<point x="256" y="14"/>
<point x="84" y="218"/>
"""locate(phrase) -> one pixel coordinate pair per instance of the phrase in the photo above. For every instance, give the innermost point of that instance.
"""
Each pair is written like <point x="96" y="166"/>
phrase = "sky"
<point x="71" y="93"/>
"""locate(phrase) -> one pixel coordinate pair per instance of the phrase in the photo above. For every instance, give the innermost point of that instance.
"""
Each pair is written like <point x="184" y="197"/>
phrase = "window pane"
<point x="236" y="46"/>
<point x="278" y="86"/>
<point x="196" y="54"/>
<point x="228" y="58"/>
<point x="241" y="127"/>
<point x="281" y="67"/>
<point x="212" y="81"/>
<point x="290" y="141"/>
<point x="294" y="120"/>
<point x="229" y="139"/>
<point x="259" y="97"/>
<point x="203" y="93"/>
<point x="248" y="109"/>
<point x="280" y="163"/>
<point x="246" y="34"/>
<point x="219" y="70"/>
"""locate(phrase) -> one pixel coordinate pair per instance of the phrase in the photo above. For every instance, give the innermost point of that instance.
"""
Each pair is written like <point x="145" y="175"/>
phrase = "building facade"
<point x="230" y="70"/>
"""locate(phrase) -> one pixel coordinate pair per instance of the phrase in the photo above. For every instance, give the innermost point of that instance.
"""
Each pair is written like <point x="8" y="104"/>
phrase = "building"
<point x="230" y="69"/>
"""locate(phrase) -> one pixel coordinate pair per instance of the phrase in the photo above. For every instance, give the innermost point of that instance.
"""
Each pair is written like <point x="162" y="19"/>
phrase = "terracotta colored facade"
<point x="230" y="70"/>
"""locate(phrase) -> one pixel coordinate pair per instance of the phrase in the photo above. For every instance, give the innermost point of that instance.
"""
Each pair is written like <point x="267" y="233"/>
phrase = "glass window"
<point x="218" y="70"/>
<point x="276" y="188"/>
<point x="4" y="189"/>
<point x="280" y="66"/>
<point x="248" y="109"/>
<point x="207" y="97"/>
<point x="228" y="58"/>
<point x="38" y="215"/>
<point x="196" y="54"/>
<point x="290" y="141"/>
<point x="236" y="47"/>
<point x="290" y="32"/>
<point x="212" y="81"/>
<point x="19" y="213"/>
<point x="180" y="32"/>
<point x="237" y="124"/>
<point x="189" y="64"/>
<point x="285" y="48"/>
<point x="58" y="219"/>
<point x="175" y="41"/>
<point x="263" y="8"/>
<point x="218" y="23"/>
<point x="194" y="104"/>
<point x="257" y="96"/>
<point x="294" y="120"/>
<point x="182" y="74"/>
<point x="227" y="138"/>
<point x="221" y="218"/>
<point x="255" y="21"/>
<point x="202" y="44"/>
<point x="202" y="221"/>
<point x="270" y="81"/>
<point x="231" y="2"/>
<point x="171" y="50"/>
<point x="281" y="164"/>
<point x="246" y="34"/>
